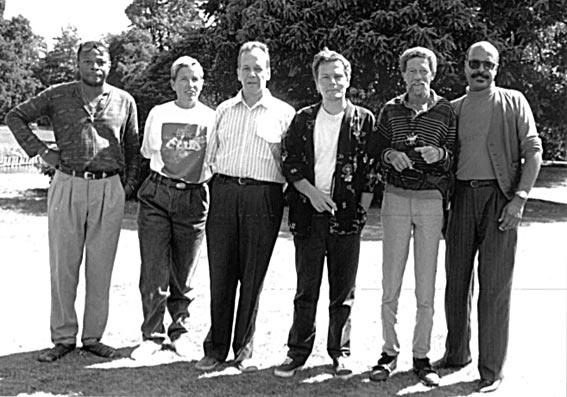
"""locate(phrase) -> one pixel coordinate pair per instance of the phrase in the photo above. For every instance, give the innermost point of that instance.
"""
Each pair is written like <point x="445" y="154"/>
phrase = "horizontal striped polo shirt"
<point x="402" y="128"/>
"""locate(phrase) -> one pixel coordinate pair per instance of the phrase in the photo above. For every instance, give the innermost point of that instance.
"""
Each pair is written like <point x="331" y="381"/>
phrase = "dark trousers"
<point x="171" y="228"/>
<point x="242" y="229"/>
<point x="473" y="227"/>
<point x="342" y="253"/>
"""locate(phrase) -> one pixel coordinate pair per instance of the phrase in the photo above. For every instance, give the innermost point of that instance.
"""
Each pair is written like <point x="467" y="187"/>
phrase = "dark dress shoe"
<point x="56" y="352"/>
<point x="487" y="386"/>
<point x="101" y="350"/>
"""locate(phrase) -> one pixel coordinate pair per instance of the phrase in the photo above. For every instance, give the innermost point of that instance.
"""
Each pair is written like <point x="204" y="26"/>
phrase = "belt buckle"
<point x="241" y="181"/>
<point x="181" y="186"/>
<point x="474" y="183"/>
<point x="89" y="175"/>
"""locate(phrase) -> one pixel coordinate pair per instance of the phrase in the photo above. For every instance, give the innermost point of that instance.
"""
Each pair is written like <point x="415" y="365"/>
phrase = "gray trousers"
<point x="403" y="217"/>
<point x="84" y="216"/>
<point x="472" y="229"/>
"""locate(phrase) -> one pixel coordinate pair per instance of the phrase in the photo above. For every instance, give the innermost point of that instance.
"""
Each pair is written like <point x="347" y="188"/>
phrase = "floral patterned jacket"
<point x="355" y="170"/>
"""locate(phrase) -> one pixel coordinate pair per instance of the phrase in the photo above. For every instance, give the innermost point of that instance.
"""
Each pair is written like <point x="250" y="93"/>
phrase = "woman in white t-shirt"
<point x="173" y="205"/>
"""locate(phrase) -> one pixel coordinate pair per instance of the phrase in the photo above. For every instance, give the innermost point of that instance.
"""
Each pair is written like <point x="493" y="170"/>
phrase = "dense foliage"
<point x="19" y="57"/>
<point x="530" y="34"/>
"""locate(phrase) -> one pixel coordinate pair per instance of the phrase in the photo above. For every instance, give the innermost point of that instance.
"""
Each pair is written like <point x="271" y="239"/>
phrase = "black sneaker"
<point x="425" y="372"/>
<point x="288" y="368"/>
<point x="386" y="365"/>
<point x="342" y="367"/>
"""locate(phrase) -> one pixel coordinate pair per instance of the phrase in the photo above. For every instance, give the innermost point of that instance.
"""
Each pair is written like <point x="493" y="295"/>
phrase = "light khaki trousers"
<point x="84" y="216"/>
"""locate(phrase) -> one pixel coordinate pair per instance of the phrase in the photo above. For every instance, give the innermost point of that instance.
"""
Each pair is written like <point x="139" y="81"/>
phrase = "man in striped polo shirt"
<point x="246" y="206"/>
<point x="417" y="134"/>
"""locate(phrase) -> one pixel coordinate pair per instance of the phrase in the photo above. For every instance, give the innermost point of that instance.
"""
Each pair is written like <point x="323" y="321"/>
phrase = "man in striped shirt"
<point x="417" y="135"/>
<point x="246" y="206"/>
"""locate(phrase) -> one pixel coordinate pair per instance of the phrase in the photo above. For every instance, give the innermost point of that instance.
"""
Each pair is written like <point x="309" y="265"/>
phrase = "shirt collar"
<point x="266" y="100"/>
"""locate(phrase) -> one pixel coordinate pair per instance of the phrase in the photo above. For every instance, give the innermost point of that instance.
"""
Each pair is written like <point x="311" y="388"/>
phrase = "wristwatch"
<point x="522" y="194"/>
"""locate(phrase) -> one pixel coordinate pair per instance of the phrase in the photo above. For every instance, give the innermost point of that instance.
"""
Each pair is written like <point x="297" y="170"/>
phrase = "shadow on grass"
<point x="81" y="373"/>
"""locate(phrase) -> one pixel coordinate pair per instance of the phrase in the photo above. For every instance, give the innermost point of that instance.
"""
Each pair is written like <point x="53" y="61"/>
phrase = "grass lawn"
<point x="537" y="362"/>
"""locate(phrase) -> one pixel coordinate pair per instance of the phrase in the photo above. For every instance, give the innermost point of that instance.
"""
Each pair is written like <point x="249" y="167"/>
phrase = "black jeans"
<point x="342" y="253"/>
<point x="171" y="228"/>
<point x="242" y="229"/>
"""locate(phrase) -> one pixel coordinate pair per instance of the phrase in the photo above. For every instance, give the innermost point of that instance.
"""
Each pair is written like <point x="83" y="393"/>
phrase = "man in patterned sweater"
<point x="96" y="131"/>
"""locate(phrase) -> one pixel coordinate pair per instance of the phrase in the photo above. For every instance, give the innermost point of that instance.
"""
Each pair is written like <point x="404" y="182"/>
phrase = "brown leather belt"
<point x="86" y="174"/>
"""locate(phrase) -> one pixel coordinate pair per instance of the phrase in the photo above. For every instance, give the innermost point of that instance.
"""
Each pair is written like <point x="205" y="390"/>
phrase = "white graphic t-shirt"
<point x="175" y="141"/>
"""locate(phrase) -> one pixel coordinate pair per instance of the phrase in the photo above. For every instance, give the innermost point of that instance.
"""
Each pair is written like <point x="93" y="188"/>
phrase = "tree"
<point x="60" y="64"/>
<point x="131" y="52"/>
<point x="19" y="54"/>
<point x="372" y="35"/>
<point x="165" y="20"/>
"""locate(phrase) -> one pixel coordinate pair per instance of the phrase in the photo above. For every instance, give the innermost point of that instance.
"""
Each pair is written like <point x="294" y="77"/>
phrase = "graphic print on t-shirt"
<point x="183" y="150"/>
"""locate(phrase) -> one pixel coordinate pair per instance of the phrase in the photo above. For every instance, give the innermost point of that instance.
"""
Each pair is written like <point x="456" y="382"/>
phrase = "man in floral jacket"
<point x="329" y="161"/>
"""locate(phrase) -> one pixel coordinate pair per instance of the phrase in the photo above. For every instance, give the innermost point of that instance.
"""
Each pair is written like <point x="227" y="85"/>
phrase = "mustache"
<point x="480" y="74"/>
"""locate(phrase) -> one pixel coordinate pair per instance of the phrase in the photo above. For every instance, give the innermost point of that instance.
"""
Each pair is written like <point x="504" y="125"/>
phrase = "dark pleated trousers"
<point x="473" y="228"/>
<point x="242" y="229"/>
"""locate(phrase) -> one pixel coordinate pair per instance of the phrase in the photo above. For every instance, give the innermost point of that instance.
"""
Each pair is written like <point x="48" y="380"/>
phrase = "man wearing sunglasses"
<point x="96" y="161"/>
<point x="498" y="161"/>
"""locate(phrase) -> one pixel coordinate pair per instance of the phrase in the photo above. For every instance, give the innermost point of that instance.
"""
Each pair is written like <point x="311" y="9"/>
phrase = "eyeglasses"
<point x="475" y="64"/>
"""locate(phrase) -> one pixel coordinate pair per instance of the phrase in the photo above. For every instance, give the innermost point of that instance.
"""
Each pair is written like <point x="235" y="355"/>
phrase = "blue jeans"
<point x="472" y="229"/>
<point x="171" y="228"/>
<point x="401" y="217"/>
<point x="342" y="253"/>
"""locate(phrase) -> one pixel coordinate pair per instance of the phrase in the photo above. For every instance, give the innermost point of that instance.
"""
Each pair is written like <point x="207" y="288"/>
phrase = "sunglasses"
<point x="475" y="64"/>
<point x="92" y="45"/>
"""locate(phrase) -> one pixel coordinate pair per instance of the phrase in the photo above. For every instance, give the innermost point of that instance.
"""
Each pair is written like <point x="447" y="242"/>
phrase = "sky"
<point x="92" y="18"/>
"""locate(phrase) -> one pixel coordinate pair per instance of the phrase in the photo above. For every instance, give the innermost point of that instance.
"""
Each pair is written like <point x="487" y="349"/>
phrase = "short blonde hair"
<point x="185" y="62"/>
<point x="326" y="55"/>
<point x="249" y="46"/>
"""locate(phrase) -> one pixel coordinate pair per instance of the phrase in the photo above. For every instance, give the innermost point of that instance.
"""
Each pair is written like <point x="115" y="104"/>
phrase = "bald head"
<point x="486" y="47"/>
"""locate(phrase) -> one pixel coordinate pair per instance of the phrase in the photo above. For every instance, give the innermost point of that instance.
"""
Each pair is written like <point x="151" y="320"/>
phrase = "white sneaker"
<point x="146" y="349"/>
<point x="182" y="346"/>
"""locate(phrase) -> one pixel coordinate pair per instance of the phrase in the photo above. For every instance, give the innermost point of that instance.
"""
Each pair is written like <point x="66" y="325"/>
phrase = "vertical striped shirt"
<point x="246" y="141"/>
